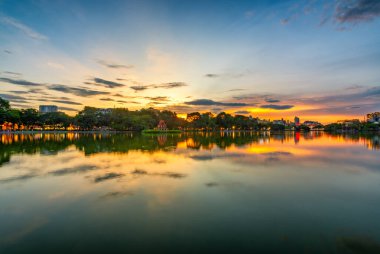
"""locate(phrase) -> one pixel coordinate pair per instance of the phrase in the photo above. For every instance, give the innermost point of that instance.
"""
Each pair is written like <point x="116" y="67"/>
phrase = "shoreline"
<point x="178" y="131"/>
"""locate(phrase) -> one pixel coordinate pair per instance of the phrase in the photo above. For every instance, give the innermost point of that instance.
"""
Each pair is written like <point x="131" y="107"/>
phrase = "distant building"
<point x="104" y="111"/>
<point x="373" y="117"/>
<point x="279" y="122"/>
<point x="297" y="121"/>
<point x="48" y="108"/>
<point x="349" y="122"/>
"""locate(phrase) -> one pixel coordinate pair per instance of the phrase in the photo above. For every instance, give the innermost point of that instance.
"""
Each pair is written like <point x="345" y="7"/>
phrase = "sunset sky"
<point x="319" y="60"/>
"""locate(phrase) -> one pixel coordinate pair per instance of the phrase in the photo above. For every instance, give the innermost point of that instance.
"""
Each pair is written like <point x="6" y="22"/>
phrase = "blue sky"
<point x="317" y="59"/>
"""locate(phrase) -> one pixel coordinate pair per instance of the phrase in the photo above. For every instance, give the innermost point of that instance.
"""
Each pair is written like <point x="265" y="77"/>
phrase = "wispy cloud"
<point x="23" y="28"/>
<point x="67" y="102"/>
<point x="139" y="88"/>
<point x="20" y="82"/>
<point x="14" y="98"/>
<point x="242" y="112"/>
<point x="107" y="83"/>
<point x="357" y="10"/>
<point x="212" y="75"/>
<point x="12" y="73"/>
<point x="207" y="102"/>
<point x="229" y="75"/>
<point x="168" y="85"/>
<point x="106" y="99"/>
<point x="277" y="107"/>
<point x="236" y="90"/>
<point x="272" y="100"/>
<point x="114" y="65"/>
<point x="68" y="109"/>
<point x="76" y="91"/>
<point x="158" y="98"/>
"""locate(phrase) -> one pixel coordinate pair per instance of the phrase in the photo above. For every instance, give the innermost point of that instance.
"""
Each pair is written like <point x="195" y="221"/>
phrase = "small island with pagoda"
<point x="161" y="128"/>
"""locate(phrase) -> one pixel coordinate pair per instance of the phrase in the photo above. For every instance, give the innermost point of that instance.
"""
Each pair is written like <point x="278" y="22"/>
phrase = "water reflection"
<point x="51" y="144"/>
<point x="210" y="192"/>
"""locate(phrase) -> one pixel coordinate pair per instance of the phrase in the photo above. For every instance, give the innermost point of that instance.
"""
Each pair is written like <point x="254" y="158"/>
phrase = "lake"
<point x="190" y="193"/>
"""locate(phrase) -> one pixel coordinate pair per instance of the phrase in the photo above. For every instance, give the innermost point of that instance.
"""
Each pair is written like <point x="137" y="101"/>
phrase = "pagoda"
<point x="162" y="126"/>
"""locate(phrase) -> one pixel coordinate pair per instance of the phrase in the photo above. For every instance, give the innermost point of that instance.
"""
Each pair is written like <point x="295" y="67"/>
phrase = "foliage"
<point x="122" y="119"/>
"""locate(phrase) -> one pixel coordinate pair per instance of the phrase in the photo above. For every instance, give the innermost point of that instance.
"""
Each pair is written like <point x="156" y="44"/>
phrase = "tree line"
<point x="91" y="118"/>
<point x="121" y="119"/>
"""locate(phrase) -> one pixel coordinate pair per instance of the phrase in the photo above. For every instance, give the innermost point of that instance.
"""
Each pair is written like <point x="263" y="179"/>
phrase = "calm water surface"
<point x="231" y="193"/>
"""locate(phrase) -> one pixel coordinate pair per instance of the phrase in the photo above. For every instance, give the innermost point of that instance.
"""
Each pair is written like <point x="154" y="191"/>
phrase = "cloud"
<point x="68" y="109"/>
<point x="171" y="85"/>
<point x="113" y="65"/>
<point x="107" y="176"/>
<point x="139" y="172"/>
<point x="38" y="91"/>
<point x="179" y="108"/>
<point x="139" y="88"/>
<point x="20" y="82"/>
<point x="13" y="73"/>
<point x="236" y="89"/>
<point x="354" y="96"/>
<point x="23" y="28"/>
<point x="76" y="91"/>
<point x="168" y="85"/>
<point x="216" y="109"/>
<point x="243" y="112"/>
<point x="285" y="21"/>
<point x="107" y="83"/>
<point x="211" y="75"/>
<point x="277" y="107"/>
<point x="158" y="98"/>
<point x="11" y="97"/>
<point x="7" y="51"/>
<point x="121" y="101"/>
<point x="19" y="92"/>
<point x="227" y="75"/>
<point x="67" y="102"/>
<point x="272" y="100"/>
<point x="207" y="102"/>
<point x="106" y="99"/>
<point x="357" y="11"/>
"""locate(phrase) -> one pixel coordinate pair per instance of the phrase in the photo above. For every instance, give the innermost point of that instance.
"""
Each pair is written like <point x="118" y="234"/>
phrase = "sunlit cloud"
<point x="277" y="107"/>
<point x="168" y="85"/>
<point x="207" y="102"/>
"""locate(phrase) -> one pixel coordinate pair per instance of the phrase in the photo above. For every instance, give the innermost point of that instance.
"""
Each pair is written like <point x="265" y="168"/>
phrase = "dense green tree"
<point x="29" y="117"/>
<point x="224" y="120"/>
